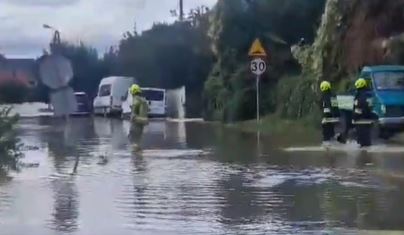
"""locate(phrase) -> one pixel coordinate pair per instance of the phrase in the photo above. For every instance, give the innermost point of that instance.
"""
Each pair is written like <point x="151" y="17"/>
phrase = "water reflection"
<point x="112" y="133"/>
<point x="232" y="190"/>
<point x="66" y="204"/>
<point x="67" y="145"/>
<point x="242" y="205"/>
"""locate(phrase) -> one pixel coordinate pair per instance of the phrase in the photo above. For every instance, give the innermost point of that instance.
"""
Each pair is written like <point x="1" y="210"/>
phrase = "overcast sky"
<point x="98" y="22"/>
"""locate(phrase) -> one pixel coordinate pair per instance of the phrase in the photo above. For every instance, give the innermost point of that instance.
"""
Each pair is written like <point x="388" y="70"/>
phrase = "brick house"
<point x="21" y="71"/>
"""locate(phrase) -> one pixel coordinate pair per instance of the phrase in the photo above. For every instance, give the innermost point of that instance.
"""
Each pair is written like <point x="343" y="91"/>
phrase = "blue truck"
<point x="386" y="92"/>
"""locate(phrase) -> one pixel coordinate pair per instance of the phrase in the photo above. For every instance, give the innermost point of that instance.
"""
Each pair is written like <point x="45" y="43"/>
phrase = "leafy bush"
<point x="13" y="92"/>
<point x="297" y="97"/>
<point x="230" y="89"/>
<point x="9" y="143"/>
<point x="215" y="94"/>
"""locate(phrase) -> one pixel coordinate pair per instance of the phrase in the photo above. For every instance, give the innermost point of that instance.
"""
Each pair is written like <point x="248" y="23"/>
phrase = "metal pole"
<point x="258" y="117"/>
<point x="258" y="98"/>
<point x="181" y="10"/>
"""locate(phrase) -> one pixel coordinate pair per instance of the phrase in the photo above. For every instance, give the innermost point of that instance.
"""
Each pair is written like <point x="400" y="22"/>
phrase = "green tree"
<point x="234" y="25"/>
<point x="170" y="56"/>
<point x="87" y="66"/>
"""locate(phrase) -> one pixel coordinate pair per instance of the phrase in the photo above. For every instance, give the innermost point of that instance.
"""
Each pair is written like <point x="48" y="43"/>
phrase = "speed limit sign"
<point x="258" y="66"/>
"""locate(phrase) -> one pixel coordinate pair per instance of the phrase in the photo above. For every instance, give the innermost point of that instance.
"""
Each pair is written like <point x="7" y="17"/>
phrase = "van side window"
<point x="153" y="95"/>
<point x="105" y="90"/>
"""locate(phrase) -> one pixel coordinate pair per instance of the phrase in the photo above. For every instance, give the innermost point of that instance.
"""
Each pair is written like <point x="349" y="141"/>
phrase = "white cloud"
<point x="97" y="22"/>
<point x="35" y="3"/>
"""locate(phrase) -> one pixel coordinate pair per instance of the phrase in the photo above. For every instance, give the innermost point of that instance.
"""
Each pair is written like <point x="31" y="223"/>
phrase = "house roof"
<point x="22" y="70"/>
<point x="26" y="64"/>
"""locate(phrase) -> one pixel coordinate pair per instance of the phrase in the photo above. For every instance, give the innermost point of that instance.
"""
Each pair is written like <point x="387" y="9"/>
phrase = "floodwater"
<point x="193" y="178"/>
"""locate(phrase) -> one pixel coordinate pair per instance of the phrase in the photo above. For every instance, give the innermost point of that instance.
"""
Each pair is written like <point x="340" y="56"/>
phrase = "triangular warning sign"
<point x="257" y="49"/>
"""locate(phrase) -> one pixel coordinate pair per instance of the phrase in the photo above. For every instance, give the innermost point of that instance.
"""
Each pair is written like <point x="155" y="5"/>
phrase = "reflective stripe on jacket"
<point x="362" y="108"/>
<point x="362" y="122"/>
<point x="329" y="107"/>
<point x="330" y="120"/>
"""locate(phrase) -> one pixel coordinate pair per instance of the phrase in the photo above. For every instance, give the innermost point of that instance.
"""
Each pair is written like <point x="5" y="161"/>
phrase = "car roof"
<point x="383" y="68"/>
<point x="152" y="89"/>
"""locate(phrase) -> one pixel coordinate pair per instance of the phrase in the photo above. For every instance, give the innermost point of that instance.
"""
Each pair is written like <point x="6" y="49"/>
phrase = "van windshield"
<point x="389" y="80"/>
<point x="105" y="90"/>
<point x="153" y="95"/>
<point x="81" y="98"/>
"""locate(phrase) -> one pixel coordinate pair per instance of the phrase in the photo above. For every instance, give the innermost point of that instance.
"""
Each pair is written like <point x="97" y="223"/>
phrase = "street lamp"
<point x="56" y="37"/>
<point x="46" y="26"/>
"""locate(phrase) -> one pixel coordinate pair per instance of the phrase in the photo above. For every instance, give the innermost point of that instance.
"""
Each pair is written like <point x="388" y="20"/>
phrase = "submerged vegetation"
<point x="9" y="143"/>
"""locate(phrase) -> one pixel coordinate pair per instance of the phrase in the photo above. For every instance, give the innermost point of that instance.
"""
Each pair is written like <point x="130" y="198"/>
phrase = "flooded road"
<point x="193" y="178"/>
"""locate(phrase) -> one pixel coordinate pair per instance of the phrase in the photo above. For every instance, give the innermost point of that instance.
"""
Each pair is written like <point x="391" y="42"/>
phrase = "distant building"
<point x="18" y="70"/>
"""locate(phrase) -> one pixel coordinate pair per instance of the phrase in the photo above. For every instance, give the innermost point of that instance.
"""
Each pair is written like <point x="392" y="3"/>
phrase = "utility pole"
<point x="181" y="10"/>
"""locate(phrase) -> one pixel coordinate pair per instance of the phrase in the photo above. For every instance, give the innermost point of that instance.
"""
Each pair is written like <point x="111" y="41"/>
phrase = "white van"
<point x="111" y="93"/>
<point x="156" y="98"/>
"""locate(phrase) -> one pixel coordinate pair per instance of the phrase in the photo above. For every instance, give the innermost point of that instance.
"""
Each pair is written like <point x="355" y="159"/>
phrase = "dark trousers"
<point x="328" y="131"/>
<point x="364" y="134"/>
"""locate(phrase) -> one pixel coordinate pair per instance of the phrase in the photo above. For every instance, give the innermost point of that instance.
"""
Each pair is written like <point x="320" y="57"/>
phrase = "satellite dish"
<point x="55" y="71"/>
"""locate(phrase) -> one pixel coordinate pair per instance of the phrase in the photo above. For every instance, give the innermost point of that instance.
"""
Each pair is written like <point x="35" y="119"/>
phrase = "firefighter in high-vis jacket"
<point x="139" y="116"/>
<point x="330" y="111"/>
<point x="362" y="114"/>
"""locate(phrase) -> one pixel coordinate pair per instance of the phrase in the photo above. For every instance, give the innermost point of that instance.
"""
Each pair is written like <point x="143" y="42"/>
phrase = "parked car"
<point x="156" y="98"/>
<point x="83" y="104"/>
<point x="111" y="93"/>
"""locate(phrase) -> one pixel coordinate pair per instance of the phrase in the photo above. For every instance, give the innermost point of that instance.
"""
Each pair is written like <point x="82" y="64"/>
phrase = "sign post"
<point x="257" y="66"/>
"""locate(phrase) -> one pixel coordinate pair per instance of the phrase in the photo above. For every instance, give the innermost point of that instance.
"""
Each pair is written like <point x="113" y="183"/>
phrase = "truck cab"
<point x="386" y="92"/>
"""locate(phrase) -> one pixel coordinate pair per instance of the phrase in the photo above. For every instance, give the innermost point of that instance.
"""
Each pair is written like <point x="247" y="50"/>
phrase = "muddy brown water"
<point x="193" y="178"/>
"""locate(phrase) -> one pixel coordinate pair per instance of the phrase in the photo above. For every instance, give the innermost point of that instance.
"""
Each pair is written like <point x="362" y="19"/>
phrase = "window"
<point x="153" y="95"/>
<point x="105" y="90"/>
<point x="389" y="80"/>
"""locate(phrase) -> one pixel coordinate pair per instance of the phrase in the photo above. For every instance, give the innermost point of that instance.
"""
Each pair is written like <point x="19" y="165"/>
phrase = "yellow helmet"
<point x="135" y="89"/>
<point x="360" y="83"/>
<point x="325" y="86"/>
